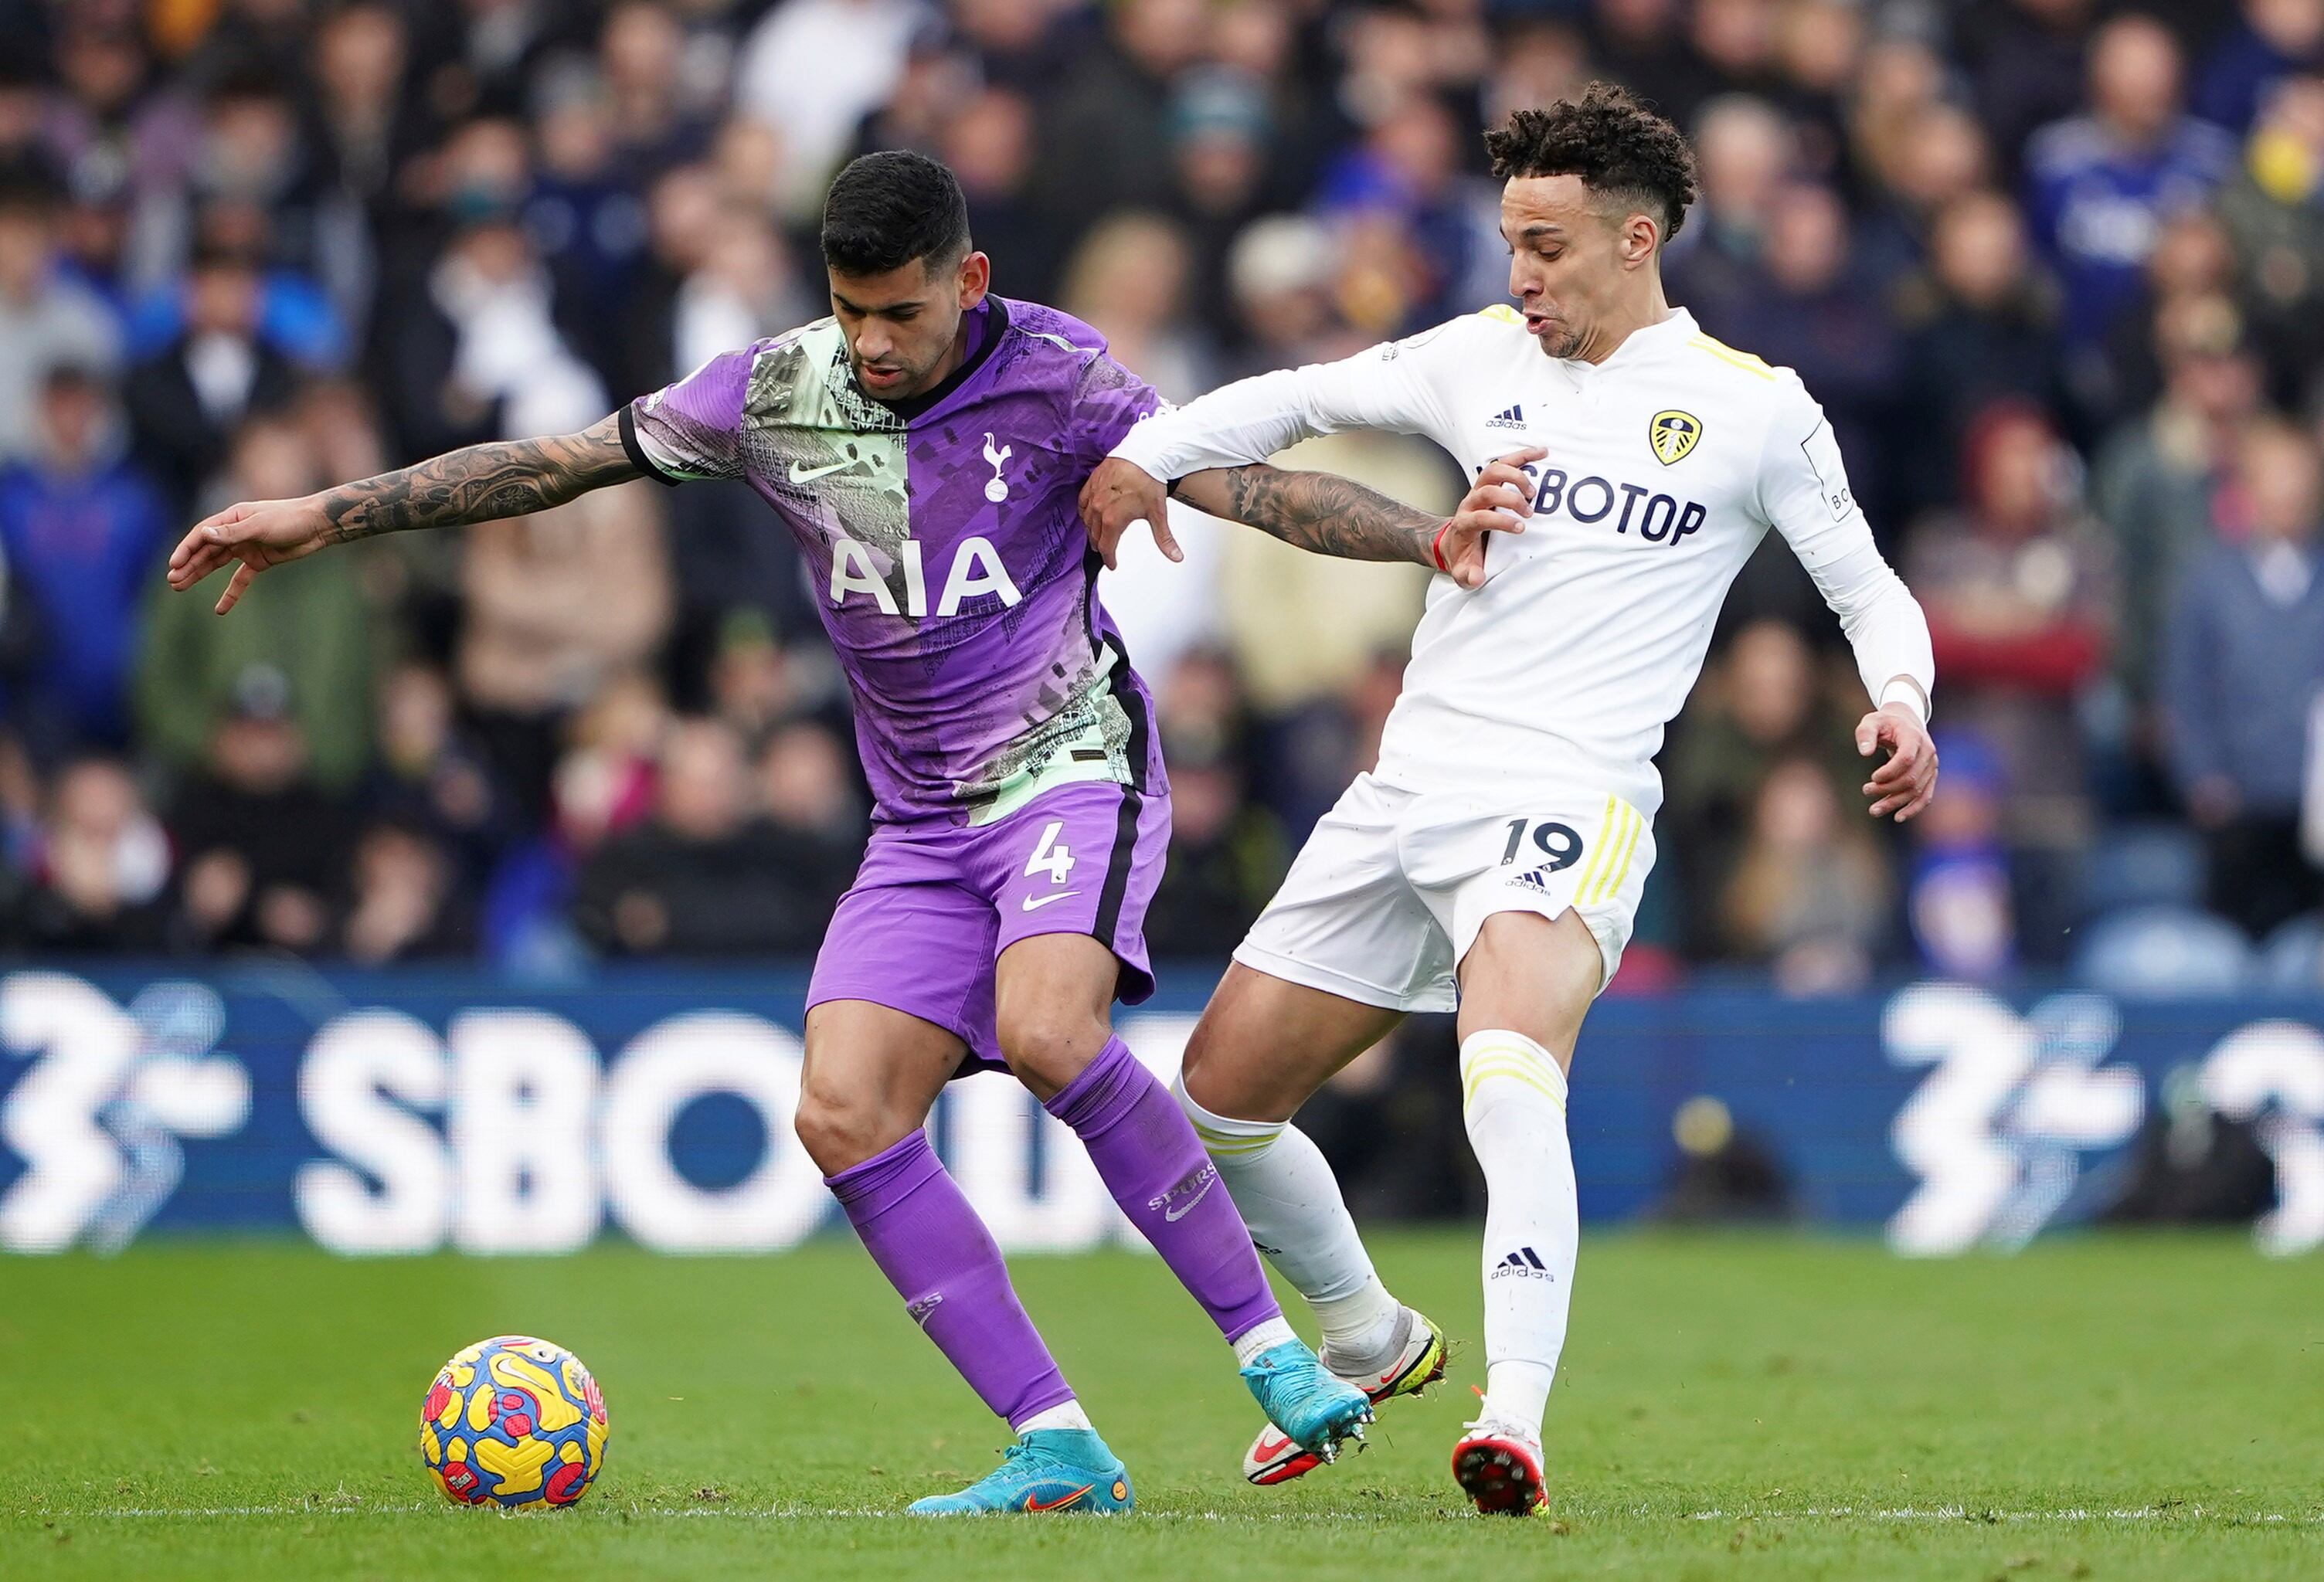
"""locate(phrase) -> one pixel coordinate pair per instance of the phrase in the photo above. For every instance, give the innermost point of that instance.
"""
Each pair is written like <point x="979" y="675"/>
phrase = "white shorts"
<point x="1391" y="889"/>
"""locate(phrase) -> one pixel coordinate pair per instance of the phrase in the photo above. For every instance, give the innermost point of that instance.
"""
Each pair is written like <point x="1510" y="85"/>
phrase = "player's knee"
<point x="1201" y="1073"/>
<point x="1047" y="1052"/>
<point x="840" y="1132"/>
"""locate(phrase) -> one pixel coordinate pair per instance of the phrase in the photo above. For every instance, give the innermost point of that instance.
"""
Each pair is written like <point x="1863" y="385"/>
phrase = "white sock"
<point x="1066" y="1414"/>
<point x="1285" y="1192"/>
<point x="1513" y="1098"/>
<point x="1263" y="1336"/>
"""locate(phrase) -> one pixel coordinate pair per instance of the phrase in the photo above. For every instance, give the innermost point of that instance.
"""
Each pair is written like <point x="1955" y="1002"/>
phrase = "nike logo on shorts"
<point x="808" y="475"/>
<point x="1035" y="902"/>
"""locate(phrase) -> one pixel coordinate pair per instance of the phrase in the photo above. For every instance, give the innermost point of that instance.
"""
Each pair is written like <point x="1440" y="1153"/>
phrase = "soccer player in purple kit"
<point x="925" y="444"/>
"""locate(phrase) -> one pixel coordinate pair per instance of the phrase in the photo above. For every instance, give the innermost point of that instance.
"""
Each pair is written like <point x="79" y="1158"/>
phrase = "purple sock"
<point x="942" y="1261"/>
<point x="1152" y="1163"/>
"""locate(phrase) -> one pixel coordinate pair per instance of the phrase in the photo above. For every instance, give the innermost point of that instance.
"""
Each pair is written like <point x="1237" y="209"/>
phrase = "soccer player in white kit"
<point x="1626" y="466"/>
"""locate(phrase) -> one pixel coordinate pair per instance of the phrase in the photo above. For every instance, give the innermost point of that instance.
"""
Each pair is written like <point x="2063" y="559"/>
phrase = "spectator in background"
<point x="605" y="779"/>
<point x="2028" y="62"/>
<point x="1279" y="274"/>
<point x="1409" y="175"/>
<point x="310" y="626"/>
<point x="654" y="119"/>
<point x="809" y="791"/>
<point x="2156" y="475"/>
<point x="810" y="71"/>
<point x="2273" y="216"/>
<point x="46" y="318"/>
<point x="557" y="602"/>
<point x="2101" y="184"/>
<point x="2269" y="41"/>
<point x="1220" y="136"/>
<point x="753" y="685"/>
<point x="1937" y="159"/>
<point x="82" y="533"/>
<point x="988" y="143"/>
<point x="366" y="127"/>
<point x="1227" y="856"/>
<point x="2192" y="260"/>
<point x="405" y="900"/>
<point x="1105" y="131"/>
<point x="2018" y="588"/>
<point x="187" y="401"/>
<point x="1982" y="328"/>
<point x="429" y="779"/>
<point x="702" y="877"/>
<point x="1809" y="311"/>
<point x="1810" y="896"/>
<point x="1744" y="151"/>
<point x="1127" y="281"/>
<point x="1760" y="706"/>
<point x="101" y="862"/>
<point x="262" y="848"/>
<point x="1639" y="44"/>
<point x="2243" y="669"/>
<point x="1960" y="898"/>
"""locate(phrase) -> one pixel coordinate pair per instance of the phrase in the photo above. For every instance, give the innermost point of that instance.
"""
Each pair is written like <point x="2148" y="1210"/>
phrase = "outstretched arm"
<point x="483" y="483"/>
<point x="1331" y="515"/>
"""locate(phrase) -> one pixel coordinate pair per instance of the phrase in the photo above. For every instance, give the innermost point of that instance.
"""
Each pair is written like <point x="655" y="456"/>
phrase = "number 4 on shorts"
<point x="1048" y="855"/>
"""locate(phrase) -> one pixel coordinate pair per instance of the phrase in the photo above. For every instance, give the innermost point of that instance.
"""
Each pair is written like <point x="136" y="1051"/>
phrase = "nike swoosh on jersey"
<point x="1035" y="902"/>
<point x="1033" y="1505"/>
<point x="1174" y="1215"/>
<point x="809" y="474"/>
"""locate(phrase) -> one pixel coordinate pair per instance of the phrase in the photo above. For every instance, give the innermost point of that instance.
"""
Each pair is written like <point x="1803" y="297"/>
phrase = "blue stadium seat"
<point x="2159" y="952"/>
<point x="2142" y="863"/>
<point x="2291" y="959"/>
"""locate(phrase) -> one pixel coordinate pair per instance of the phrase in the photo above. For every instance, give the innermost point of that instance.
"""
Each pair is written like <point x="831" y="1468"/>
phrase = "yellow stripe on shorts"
<point x="1598" y="852"/>
<point x="1617" y="871"/>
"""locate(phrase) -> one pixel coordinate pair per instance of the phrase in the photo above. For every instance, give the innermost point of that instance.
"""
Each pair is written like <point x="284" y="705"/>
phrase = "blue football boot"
<point x="1046" y="1471"/>
<point x="1302" y="1398"/>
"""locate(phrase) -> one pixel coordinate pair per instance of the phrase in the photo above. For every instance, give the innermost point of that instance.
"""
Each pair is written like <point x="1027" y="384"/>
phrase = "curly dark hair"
<point x="1618" y="147"/>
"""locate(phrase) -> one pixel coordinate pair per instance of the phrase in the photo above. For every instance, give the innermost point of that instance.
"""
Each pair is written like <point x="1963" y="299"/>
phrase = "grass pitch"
<point x="1730" y="1408"/>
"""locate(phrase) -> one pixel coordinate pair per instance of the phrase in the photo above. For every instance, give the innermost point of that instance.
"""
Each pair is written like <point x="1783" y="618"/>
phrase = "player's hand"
<point x="1121" y="493"/>
<point x="1905" y="783"/>
<point x="1499" y="502"/>
<point x="258" y="534"/>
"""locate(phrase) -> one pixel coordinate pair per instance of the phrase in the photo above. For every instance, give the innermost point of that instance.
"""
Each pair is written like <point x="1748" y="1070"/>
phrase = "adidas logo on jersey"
<point x="1512" y="419"/>
<point x="1525" y="1263"/>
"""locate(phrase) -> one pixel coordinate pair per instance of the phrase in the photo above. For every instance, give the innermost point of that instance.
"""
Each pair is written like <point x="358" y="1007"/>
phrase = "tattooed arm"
<point x="1325" y="513"/>
<point x="481" y="483"/>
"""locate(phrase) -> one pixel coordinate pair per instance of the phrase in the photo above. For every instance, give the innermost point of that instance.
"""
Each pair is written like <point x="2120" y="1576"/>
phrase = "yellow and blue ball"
<point x="514" y="1421"/>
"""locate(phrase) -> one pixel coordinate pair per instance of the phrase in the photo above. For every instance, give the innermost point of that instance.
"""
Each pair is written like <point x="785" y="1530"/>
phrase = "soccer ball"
<point x="514" y="1421"/>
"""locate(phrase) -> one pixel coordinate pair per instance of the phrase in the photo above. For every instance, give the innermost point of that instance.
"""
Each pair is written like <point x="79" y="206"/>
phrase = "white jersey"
<point x="1667" y="465"/>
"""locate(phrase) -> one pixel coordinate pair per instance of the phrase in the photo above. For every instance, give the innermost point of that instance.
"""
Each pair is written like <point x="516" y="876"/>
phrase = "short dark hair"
<point x="1618" y="147"/>
<point x="887" y="209"/>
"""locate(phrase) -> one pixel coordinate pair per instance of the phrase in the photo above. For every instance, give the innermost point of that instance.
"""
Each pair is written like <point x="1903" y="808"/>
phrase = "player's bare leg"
<point x="1262" y="1048"/>
<point x="1526" y="985"/>
<point x="1052" y="1001"/>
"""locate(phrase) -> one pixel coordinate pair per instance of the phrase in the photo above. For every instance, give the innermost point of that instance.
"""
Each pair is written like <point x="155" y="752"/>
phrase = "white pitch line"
<point x="1941" y="1514"/>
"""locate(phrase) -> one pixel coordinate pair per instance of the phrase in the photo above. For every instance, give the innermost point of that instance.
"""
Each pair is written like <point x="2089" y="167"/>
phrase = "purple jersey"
<point x="943" y="537"/>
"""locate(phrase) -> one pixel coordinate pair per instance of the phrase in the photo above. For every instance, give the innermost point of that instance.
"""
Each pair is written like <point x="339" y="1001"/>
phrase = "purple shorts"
<point x="935" y="903"/>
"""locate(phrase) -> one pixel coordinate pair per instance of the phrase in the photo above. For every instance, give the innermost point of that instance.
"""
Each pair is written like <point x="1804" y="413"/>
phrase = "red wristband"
<point x="1436" y="546"/>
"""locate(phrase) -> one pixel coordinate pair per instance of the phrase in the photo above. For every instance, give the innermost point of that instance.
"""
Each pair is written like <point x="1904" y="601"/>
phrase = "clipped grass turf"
<point x="1744" y="1407"/>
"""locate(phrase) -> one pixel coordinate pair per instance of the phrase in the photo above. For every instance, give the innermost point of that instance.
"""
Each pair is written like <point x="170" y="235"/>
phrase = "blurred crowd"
<point x="2055" y="268"/>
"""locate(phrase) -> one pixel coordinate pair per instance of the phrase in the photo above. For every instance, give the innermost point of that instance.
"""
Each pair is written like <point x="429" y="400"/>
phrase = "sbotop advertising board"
<point x="389" y="1113"/>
